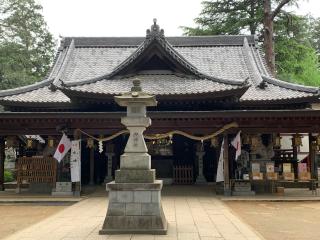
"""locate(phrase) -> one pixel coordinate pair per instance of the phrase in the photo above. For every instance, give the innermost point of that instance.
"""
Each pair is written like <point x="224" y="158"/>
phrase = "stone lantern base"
<point x="134" y="208"/>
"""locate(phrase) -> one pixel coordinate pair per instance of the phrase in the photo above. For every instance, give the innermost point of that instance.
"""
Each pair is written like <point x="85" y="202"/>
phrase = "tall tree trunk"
<point x="252" y="17"/>
<point x="268" y="35"/>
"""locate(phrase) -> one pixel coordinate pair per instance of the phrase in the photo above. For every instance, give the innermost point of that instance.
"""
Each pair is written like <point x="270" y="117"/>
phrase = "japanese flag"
<point x="63" y="147"/>
<point x="236" y="143"/>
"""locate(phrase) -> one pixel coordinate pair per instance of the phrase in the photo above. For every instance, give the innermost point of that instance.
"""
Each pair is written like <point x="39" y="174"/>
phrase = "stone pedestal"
<point x="200" y="179"/>
<point x="63" y="189"/>
<point x="134" y="208"/>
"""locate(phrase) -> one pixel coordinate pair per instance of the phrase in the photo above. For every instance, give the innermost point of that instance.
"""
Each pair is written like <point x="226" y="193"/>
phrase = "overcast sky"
<point x="128" y="17"/>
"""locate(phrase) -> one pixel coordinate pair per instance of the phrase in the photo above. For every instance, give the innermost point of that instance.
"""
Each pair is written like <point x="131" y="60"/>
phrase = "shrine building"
<point x="208" y="89"/>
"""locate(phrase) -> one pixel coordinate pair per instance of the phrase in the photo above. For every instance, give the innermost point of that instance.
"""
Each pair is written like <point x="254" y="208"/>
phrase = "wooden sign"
<point x="270" y="167"/>
<point x="287" y="167"/>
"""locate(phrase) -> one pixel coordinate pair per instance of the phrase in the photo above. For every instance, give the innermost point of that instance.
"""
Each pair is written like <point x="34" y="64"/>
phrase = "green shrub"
<point x="8" y="177"/>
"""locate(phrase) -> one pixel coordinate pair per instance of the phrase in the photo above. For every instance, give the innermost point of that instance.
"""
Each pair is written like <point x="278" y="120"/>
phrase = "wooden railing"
<point x="183" y="175"/>
<point x="37" y="169"/>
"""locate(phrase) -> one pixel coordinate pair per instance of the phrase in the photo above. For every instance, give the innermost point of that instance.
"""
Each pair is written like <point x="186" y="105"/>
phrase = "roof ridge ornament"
<point x="155" y="31"/>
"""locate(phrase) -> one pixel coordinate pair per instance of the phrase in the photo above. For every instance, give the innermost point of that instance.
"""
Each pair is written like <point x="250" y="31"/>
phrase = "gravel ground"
<point x="17" y="217"/>
<point x="281" y="220"/>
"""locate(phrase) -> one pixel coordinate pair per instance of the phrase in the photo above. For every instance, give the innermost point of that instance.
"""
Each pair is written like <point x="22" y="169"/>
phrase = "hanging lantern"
<point x="318" y="140"/>
<point x="214" y="142"/>
<point x="254" y="141"/>
<point x="29" y="143"/>
<point x="170" y="139"/>
<point x="245" y="139"/>
<point x="12" y="141"/>
<point x="277" y="140"/>
<point x="314" y="145"/>
<point x="51" y="142"/>
<point x="90" y="143"/>
<point x="296" y="140"/>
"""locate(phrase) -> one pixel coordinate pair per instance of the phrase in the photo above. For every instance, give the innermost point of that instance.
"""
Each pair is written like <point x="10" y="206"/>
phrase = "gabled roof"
<point x="207" y="64"/>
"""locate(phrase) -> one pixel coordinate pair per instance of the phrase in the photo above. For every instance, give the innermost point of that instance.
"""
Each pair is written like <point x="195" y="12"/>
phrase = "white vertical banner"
<point x="75" y="161"/>
<point x="236" y="143"/>
<point x="220" y="170"/>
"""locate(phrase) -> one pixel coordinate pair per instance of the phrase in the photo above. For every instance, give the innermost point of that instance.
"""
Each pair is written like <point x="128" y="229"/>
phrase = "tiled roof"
<point x="158" y="84"/>
<point x="217" y="63"/>
<point x="222" y="62"/>
<point x="273" y="92"/>
<point x="40" y="95"/>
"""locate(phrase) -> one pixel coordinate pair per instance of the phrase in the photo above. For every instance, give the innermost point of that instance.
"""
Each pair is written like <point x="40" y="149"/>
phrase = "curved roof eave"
<point x="291" y="86"/>
<point x="25" y="89"/>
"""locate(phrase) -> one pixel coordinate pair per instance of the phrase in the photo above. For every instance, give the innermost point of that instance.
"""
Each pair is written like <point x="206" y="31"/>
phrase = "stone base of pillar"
<point x="108" y="179"/>
<point x="201" y="180"/>
<point x="134" y="208"/>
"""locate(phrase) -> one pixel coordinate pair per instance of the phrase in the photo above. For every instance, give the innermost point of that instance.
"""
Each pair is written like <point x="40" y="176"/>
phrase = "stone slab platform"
<point x="193" y="212"/>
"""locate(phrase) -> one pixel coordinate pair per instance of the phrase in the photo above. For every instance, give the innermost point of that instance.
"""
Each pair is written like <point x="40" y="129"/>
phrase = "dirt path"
<point x="281" y="220"/>
<point x="16" y="217"/>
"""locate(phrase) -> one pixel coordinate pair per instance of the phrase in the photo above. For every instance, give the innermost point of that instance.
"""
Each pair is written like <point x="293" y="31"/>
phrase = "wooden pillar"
<point x="77" y="185"/>
<point x="91" y="166"/>
<point x="227" y="189"/>
<point x="295" y="160"/>
<point x="312" y="155"/>
<point x="2" y="158"/>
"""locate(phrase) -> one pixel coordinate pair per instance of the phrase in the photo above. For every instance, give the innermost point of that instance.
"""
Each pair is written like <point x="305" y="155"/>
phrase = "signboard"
<point x="75" y="161"/>
<point x="255" y="167"/>
<point x="270" y="167"/>
<point x="302" y="167"/>
<point x="287" y="167"/>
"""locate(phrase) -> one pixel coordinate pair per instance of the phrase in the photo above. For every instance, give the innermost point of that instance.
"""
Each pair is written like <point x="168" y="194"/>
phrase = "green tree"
<point x="26" y="45"/>
<point x="228" y="17"/>
<point x="315" y="34"/>
<point x="296" y="58"/>
<point x="291" y="33"/>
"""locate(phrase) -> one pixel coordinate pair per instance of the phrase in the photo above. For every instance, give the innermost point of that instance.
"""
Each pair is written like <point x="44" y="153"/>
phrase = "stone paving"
<point x="193" y="212"/>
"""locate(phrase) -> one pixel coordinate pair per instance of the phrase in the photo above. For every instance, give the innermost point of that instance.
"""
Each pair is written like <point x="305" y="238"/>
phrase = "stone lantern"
<point x="135" y="195"/>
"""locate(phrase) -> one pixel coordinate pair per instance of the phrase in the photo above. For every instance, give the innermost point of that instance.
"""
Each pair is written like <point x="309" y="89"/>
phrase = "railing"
<point x="183" y="175"/>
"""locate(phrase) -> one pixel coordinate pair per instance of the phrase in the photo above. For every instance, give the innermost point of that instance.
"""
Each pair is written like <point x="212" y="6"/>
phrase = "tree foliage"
<point x="296" y="37"/>
<point x="26" y="45"/>
<point x="296" y="56"/>
<point x="228" y="17"/>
